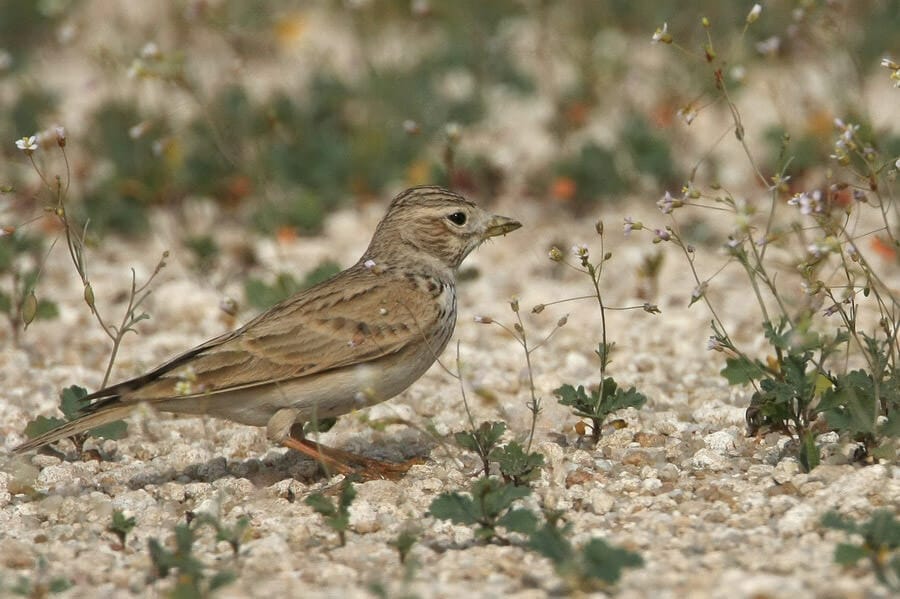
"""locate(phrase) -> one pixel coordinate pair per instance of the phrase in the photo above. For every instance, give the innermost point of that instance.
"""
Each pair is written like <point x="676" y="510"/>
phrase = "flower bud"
<point x="753" y="14"/>
<point x="562" y="321"/>
<point x="514" y="304"/>
<point x="599" y="227"/>
<point x="537" y="309"/>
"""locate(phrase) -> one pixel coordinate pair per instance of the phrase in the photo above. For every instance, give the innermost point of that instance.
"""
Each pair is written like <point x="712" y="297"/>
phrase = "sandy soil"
<point x="713" y="512"/>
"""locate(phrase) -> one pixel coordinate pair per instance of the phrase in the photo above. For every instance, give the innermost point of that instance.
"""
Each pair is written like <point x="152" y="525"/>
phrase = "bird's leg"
<point x="285" y="430"/>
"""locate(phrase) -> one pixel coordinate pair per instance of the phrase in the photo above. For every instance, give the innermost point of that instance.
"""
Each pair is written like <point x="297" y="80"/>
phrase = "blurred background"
<point x="273" y="114"/>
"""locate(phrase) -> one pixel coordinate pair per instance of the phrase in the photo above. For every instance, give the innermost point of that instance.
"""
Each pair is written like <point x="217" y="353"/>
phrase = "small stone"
<point x="785" y="470"/>
<point x="578" y="477"/>
<point x="649" y="439"/>
<point x="363" y="517"/>
<point x="669" y="473"/>
<point x="787" y="488"/>
<point x="636" y="457"/>
<point x="651" y="484"/>
<point x="799" y="519"/>
<point x="601" y="502"/>
<point x="707" y="459"/>
<point x="722" y="442"/>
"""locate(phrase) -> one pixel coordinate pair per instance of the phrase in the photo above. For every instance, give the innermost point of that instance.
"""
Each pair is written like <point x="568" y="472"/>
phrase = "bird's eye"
<point x="457" y="218"/>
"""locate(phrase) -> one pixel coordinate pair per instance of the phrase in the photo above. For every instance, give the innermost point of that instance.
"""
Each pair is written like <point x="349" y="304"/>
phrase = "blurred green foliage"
<point x="290" y="155"/>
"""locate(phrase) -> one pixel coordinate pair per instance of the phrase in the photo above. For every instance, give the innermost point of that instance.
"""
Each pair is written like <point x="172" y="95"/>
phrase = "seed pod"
<point x="89" y="295"/>
<point x="29" y="308"/>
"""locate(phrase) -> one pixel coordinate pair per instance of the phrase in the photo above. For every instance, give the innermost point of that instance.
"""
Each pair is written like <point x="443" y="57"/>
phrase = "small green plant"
<point x="517" y="464"/>
<point x="405" y="542"/>
<point x="39" y="586"/>
<point x="490" y="506"/>
<point x="880" y="544"/>
<point x="482" y="441"/>
<point x="608" y="396"/>
<point x="121" y="526"/>
<point x="193" y="579"/>
<point x="233" y="535"/>
<point x="596" y="562"/>
<point x="805" y="385"/>
<point x="20" y="302"/>
<point x="75" y="240"/>
<point x="603" y="400"/>
<point x="71" y="402"/>
<point x="336" y="515"/>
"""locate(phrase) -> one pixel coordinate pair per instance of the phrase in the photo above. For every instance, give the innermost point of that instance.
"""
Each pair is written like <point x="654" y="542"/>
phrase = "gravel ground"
<point x="713" y="512"/>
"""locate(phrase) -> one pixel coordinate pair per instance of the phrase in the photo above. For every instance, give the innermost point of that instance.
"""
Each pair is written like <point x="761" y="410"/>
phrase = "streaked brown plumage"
<point x="357" y="339"/>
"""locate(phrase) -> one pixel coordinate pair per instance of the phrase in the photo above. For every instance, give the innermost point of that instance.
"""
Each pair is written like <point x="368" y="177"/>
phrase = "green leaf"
<point x="495" y="497"/>
<point x="457" y="508"/>
<point x="41" y="425"/>
<point x="515" y="464"/>
<point x="882" y="530"/>
<point x="847" y="555"/>
<point x="625" y="399"/>
<point x="348" y="494"/>
<point x="606" y="562"/>
<point x="834" y="520"/>
<point x="482" y="439"/>
<point x="850" y="406"/>
<point x="320" y="504"/>
<point x="220" y="579"/>
<point x="519" y="520"/>
<point x="576" y="398"/>
<point x="740" y="371"/>
<point x="809" y="453"/>
<point x="113" y="430"/>
<point x="71" y="401"/>
<point x="891" y="426"/>
<point x="551" y="542"/>
<point x="779" y="337"/>
<point x="58" y="585"/>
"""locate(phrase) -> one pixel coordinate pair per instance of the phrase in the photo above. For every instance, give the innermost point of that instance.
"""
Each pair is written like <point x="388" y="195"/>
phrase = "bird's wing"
<point x="355" y="318"/>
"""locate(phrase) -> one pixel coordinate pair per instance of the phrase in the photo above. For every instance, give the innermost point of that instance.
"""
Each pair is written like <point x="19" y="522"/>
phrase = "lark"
<point x="355" y="340"/>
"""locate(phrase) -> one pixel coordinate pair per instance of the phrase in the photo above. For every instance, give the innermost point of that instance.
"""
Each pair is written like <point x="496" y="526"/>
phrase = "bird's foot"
<point x="349" y="463"/>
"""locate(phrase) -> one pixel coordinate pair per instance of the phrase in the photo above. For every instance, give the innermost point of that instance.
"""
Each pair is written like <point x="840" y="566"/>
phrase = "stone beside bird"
<point x="355" y="340"/>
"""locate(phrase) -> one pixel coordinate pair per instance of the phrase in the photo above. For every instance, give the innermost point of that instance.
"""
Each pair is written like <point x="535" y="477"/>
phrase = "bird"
<point x="354" y="340"/>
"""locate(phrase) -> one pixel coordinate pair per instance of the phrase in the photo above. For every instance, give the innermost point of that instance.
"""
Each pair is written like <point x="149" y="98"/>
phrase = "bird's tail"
<point x="104" y="415"/>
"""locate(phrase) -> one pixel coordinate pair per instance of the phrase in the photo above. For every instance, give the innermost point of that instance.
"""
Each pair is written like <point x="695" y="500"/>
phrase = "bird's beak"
<point x="500" y="225"/>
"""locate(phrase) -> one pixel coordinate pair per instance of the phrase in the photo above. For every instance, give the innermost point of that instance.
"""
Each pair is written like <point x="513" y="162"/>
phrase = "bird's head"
<point x="438" y="223"/>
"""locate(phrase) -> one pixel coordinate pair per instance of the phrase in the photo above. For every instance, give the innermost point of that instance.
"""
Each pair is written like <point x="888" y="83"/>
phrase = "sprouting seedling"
<point x="489" y="506"/>
<point x="121" y="525"/>
<point x="880" y="544"/>
<point x="601" y="402"/>
<point x="336" y="516"/>
<point x="596" y="562"/>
